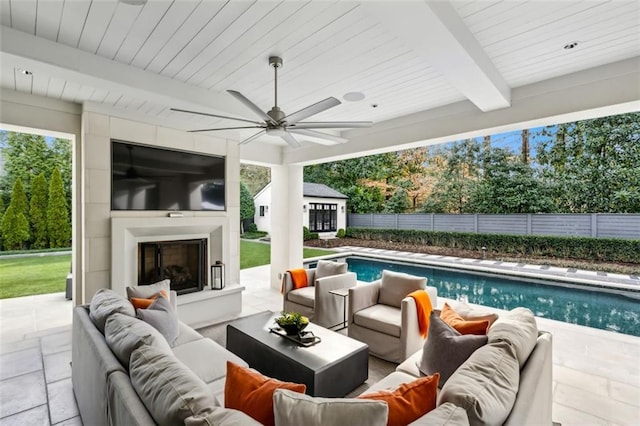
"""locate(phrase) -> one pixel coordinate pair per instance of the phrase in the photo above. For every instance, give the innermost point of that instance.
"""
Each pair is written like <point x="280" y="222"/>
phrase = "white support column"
<point x="286" y="220"/>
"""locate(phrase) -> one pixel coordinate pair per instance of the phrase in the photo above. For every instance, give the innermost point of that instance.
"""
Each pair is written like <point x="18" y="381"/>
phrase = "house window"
<point x="323" y="217"/>
<point x="262" y="210"/>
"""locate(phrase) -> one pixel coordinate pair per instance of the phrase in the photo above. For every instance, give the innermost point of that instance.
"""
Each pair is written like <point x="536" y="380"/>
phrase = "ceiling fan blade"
<point x="252" y="138"/>
<point x="311" y="110"/>
<point x="289" y="139"/>
<point x="330" y="125"/>
<point x="319" y="135"/>
<point x="225" y="128"/>
<point x="214" y="115"/>
<point x="253" y="107"/>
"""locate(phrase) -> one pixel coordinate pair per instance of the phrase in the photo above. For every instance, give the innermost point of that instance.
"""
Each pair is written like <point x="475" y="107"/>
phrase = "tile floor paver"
<point x="17" y="363"/>
<point x="57" y="366"/>
<point x="62" y="403"/>
<point x="38" y="416"/>
<point x="22" y="393"/>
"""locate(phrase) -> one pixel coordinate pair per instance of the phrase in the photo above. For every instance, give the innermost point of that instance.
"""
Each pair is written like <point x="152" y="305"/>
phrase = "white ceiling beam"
<point x="435" y="31"/>
<point x="605" y="90"/>
<point x="39" y="55"/>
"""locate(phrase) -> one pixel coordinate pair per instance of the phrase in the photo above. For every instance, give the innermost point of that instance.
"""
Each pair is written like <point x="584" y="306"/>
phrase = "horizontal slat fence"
<point x="575" y="225"/>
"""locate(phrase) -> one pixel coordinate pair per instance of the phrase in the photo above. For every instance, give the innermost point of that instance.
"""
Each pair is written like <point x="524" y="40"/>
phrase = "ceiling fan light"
<point x="353" y="96"/>
<point x="278" y="131"/>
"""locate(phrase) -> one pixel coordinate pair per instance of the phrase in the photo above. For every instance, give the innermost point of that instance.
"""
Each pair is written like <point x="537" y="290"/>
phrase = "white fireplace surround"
<point x="126" y="233"/>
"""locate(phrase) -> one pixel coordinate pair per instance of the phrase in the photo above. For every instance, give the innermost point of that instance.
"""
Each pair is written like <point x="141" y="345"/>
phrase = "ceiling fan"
<point x="277" y="123"/>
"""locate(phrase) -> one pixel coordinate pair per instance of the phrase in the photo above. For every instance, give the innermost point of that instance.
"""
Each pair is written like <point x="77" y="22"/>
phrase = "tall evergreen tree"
<point x="58" y="224"/>
<point x="247" y="206"/>
<point x="38" y="211"/>
<point x="19" y="199"/>
<point x="15" y="229"/>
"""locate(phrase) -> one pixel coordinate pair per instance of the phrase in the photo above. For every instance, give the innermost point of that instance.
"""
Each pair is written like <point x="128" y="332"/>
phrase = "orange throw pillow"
<point x="463" y="326"/>
<point x="140" y="303"/>
<point x="252" y="393"/>
<point x="410" y="401"/>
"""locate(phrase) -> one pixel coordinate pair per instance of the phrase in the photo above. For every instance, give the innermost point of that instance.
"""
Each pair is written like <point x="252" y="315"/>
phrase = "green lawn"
<point x="25" y="276"/>
<point x="257" y="254"/>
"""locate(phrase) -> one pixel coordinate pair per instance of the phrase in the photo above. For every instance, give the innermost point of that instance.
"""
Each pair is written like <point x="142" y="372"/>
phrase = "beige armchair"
<point x="382" y="316"/>
<point x="315" y="301"/>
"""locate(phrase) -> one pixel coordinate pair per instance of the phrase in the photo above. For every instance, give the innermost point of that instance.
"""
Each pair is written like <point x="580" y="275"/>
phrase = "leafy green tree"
<point x="38" y="211"/>
<point x="593" y="165"/>
<point x="58" y="225"/>
<point x="25" y="156"/>
<point x="255" y="177"/>
<point x="509" y="185"/>
<point x="247" y="206"/>
<point x="59" y="155"/>
<point x="398" y="203"/>
<point x="456" y="182"/>
<point x="15" y="229"/>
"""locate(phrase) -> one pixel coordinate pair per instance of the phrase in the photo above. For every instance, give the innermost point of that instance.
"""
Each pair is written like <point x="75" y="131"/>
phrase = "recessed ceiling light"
<point x="134" y="2"/>
<point x="571" y="45"/>
<point x="24" y="71"/>
<point x="353" y="96"/>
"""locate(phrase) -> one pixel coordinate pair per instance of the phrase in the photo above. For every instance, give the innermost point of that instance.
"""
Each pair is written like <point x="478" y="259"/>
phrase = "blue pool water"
<point x="598" y="308"/>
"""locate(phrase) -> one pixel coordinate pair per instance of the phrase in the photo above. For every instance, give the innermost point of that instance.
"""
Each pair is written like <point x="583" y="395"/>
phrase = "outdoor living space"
<point x="596" y="375"/>
<point x="163" y="103"/>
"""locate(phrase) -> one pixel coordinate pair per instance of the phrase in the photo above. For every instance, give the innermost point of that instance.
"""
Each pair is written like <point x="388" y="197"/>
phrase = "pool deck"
<point x="596" y="373"/>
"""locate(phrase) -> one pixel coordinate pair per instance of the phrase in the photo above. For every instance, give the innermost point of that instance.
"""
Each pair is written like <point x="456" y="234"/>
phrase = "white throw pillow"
<point x="296" y="409"/>
<point x="395" y="286"/>
<point x="162" y="317"/>
<point x="327" y="268"/>
<point x="105" y="303"/>
<point x="147" y="291"/>
<point x="518" y="328"/>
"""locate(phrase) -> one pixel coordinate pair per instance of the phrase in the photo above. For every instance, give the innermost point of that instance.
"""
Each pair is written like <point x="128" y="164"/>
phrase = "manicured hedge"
<point x="603" y="249"/>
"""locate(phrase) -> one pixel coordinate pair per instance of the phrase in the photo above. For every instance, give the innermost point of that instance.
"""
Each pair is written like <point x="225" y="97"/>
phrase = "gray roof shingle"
<point x="319" y="190"/>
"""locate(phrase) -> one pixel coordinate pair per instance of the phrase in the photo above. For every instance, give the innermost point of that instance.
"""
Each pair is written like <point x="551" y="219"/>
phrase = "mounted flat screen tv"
<point x="146" y="178"/>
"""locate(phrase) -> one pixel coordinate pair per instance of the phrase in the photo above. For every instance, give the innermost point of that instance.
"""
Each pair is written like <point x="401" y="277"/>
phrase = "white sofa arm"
<point x="329" y="308"/>
<point x="410" y="338"/>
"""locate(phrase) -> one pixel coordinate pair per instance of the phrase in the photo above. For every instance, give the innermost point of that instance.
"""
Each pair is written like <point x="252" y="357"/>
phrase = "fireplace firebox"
<point x="183" y="262"/>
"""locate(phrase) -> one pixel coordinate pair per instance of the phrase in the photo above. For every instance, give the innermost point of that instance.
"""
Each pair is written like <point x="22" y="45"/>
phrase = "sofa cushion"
<point x="186" y="334"/>
<point x="328" y="268"/>
<point x="463" y="326"/>
<point x="304" y="296"/>
<point x="147" y="291"/>
<point x="445" y="349"/>
<point x="219" y="416"/>
<point x="472" y="313"/>
<point x="409" y="401"/>
<point x="296" y="409"/>
<point x="124" y="334"/>
<point x="106" y="302"/>
<point x="252" y="393"/>
<point x="206" y="358"/>
<point x="161" y="316"/>
<point x="383" y="318"/>
<point x="486" y="384"/>
<point x="518" y="327"/>
<point x="443" y="415"/>
<point x="395" y="286"/>
<point x="170" y="391"/>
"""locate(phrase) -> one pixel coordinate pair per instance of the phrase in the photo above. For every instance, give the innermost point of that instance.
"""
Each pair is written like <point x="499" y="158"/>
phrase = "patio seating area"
<point x="596" y="373"/>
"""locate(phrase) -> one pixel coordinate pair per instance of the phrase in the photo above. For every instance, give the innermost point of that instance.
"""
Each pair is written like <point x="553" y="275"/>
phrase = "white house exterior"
<point x="324" y="210"/>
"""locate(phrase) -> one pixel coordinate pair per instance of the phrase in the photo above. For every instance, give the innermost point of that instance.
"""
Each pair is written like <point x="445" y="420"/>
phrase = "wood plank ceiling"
<point x="329" y="48"/>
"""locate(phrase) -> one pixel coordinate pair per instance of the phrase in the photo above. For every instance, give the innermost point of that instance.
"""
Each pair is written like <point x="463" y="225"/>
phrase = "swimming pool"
<point x="593" y="307"/>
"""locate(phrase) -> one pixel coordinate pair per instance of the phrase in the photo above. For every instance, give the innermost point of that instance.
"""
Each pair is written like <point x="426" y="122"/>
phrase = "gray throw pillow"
<point x="518" y="328"/>
<point x="446" y="349"/>
<point x="106" y="302"/>
<point x="486" y="385"/>
<point x="326" y="268"/>
<point x="445" y="414"/>
<point x="295" y="409"/>
<point x="169" y="390"/>
<point x="147" y="291"/>
<point x="162" y="317"/>
<point x="395" y="286"/>
<point x="219" y="416"/>
<point x="124" y="334"/>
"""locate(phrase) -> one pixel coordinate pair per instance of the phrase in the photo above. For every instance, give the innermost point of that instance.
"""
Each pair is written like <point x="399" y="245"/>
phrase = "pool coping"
<point x="568" y="275"/>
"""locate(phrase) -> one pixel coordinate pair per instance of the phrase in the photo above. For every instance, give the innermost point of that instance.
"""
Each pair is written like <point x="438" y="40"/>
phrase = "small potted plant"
<point x="292" y="322"/>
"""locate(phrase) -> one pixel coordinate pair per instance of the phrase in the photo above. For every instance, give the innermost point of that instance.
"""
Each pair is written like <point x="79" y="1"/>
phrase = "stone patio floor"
<point x="596" y="373"/>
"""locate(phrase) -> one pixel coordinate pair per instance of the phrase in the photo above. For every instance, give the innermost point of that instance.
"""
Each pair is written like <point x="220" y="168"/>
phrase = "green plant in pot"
<point x="292" y="322"/>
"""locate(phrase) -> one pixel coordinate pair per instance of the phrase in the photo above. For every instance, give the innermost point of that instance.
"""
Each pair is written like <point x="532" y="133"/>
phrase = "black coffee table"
<point x="331" y="368"/>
